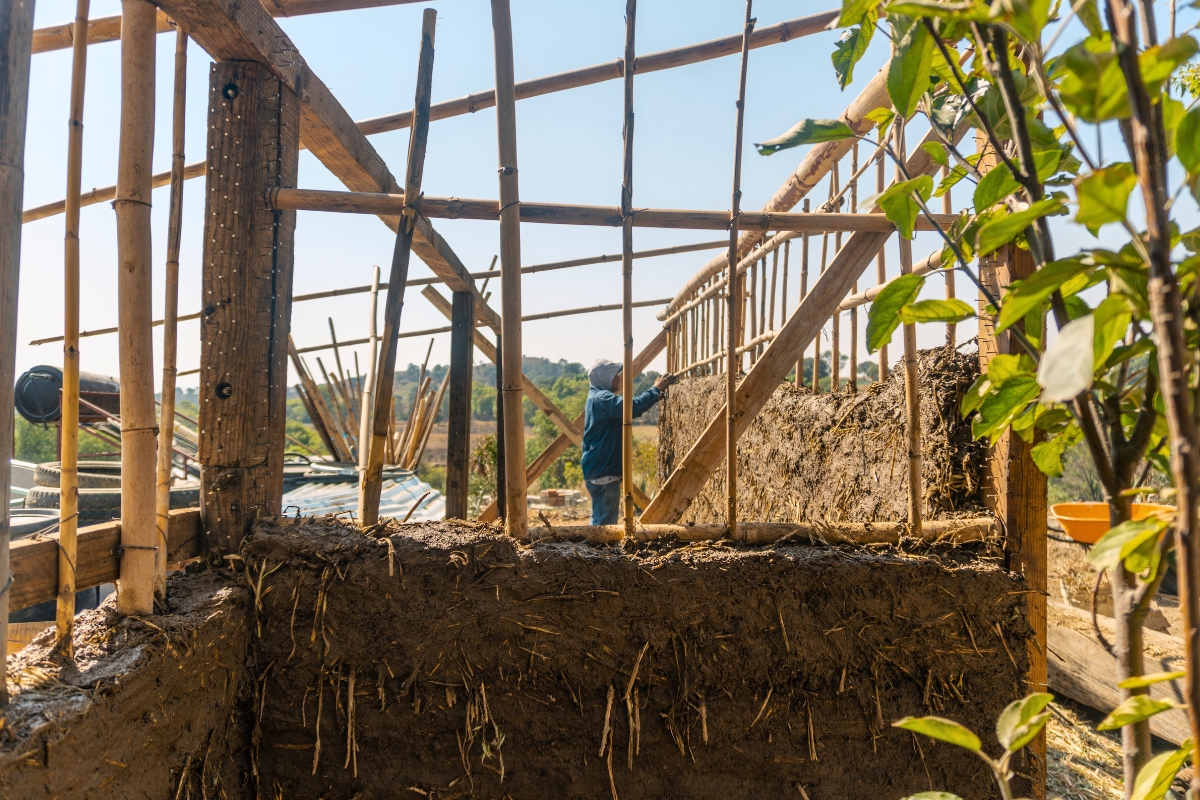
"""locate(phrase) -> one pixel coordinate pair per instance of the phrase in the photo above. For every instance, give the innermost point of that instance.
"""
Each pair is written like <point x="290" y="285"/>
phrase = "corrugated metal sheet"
<point x="400" y="491"/>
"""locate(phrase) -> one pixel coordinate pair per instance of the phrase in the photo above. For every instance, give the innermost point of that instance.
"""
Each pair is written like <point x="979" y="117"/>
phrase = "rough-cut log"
<point x="773" y="366"/>
<point x="382" y="204"/>
<point x="16" y="26"/>
<point x="813" y="168"/>
<point x="563" y="441"/>
<point x="35" y="561"/>
<point x="246" y="289"/>
<point x="230" y="30"/>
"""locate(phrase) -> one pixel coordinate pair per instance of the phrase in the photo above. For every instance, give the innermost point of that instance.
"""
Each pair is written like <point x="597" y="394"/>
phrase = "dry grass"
<point x="1083" y="764"/>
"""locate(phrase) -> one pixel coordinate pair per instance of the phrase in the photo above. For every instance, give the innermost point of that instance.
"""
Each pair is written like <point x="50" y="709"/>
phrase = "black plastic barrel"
<point x="38" y="395"/>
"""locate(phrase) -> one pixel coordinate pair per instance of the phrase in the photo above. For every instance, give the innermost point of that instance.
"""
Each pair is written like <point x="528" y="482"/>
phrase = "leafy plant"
<point x="1104" y="343"/>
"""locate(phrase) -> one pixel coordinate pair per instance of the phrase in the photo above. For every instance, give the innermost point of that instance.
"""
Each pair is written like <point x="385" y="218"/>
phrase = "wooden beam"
<point x="381" y="204"/>
<point x="613" y="70"/>
<point x="383" y="415"/>
<point x="139" y="426"/>
<point x="812" y="169"/>
<point x="230" y="30"/>
<point x="772" y="367"/>
<point x="629" y="67"/>
<point x="458" y="440"/>
<point x="34" y="562"/>
<point x="253" y="128"/>
<point x="108" y="29"/>
<point x="559" y="446"/>
<point x="16" y="31"/>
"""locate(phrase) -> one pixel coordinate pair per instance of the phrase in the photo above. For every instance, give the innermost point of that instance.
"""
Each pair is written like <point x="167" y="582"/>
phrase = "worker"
<point x="602" y="436"/>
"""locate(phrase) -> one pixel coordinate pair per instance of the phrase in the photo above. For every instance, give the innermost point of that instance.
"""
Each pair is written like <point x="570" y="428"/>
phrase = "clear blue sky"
<point x="569" y="151"/>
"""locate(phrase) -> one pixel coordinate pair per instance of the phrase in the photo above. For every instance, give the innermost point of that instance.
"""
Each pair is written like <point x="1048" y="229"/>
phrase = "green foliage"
<point x="1134" y="709"/>
<point x="908" y="73"/>
<point x="900" y="205"/>
<point x="851" y="47"/>
<point x="1104" y="195"/>
<point x="895" y="295"/>
<point x="944" y="730"/>
<point x="481" y="485"/>
<point x="434" y="475"/>
<point x="38" y="444"/>
<point x="1155" y="778"/>
<point x="808" y="131"/>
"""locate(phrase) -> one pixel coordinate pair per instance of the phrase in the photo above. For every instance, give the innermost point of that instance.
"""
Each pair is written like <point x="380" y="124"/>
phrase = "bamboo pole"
<point x="368" y="388"/>
<point x="371" y="483"/>
<point x="315" y="419"/>
<point x="432" y="420"/>
<point x="135" y="588"/>
<point x="835" y="322"/>
<point x="16" y="32"/>
<point x="881" y="268"/>
<point x="852" y="383"/>
<point x="627" y="273"/>
<point x="802" y="293"/>
<point x="912" y="394"/>
<point x="337" y="447"/>
<point x="732" y="359"/>
<point x="948" y="208"/>
<point x="69" y="423"/>
<point x="510" y="270"/>
<point x="162" y="497"/>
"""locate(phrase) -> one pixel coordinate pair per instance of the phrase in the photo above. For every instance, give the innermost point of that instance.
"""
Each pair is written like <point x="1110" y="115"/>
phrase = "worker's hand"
<point x="663" y="381"/>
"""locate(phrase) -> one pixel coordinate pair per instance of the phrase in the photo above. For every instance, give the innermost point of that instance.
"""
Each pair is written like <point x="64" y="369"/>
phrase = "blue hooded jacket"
<point x="602" y="430"/>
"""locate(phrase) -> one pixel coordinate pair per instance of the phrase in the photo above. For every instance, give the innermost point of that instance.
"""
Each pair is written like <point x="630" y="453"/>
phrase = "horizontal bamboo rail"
<point x="957" y="531"/>
<point x="34" y="560"/>
<point x="751" y="258"/>
<point x="106" y="194"/>
<point x="932" y="262"/>
<point x="378" y="203"/>
<point x="762" y="338"/>
<point x="612" y="70"/>
<point x="108" y="29"/>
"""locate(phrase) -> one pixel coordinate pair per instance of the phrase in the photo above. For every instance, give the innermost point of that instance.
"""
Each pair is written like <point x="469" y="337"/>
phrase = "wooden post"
<point x="458" y="440"/>
<point x="948" y="208"/>
<point x="627" y="274"/>
<point x="1014" y="489"/>
<point x="372" y="477"/>
<point x="517" y="521"/>
<point x="732" y="360"/>
<point x="835" y="322"/>
<point x="253" y="141"/>
<point x="803" y="292"/>
<point x="68" y="505"/>
<point x="912" y="388"/>
<point x="139" y="427"/>
<point x="501" y="486"/>
<point x="16" y="41"/>
<point x="852" y="380"/>
<point x="881" y="268"/>
<point x="166" y="417"/>
<point x="368" y="388"/>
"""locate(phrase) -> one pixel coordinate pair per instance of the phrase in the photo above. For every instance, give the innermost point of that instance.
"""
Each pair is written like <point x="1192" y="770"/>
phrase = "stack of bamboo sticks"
<point x="337" y="411"/>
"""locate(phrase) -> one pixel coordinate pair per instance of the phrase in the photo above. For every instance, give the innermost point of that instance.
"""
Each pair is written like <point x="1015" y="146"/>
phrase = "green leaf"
<point x="1151" y="679"/>
<point x="1089" y="15"/>
<point x="963" y="11"/>
<point x="900" y="207"/>
<point x="882" y="117"/>
<point x="1047" y="456"/>
<point x="1134" y="709"/>
<point x="996" y="185"/>
<point x="1004" y="367"/>
<point x="884" y="316"/>
<point x="1027" y="17"/>
<point x="807" y="131"/>
<point x="1173" y="113"/>
<point x="1018" y="723"/>
<point x="974" y="396"/>
<point x="1001" y="230"/>
<point x="908" y="73"/>
<point x="1154" y="779"/>
<point x="1092" y="86"/>
<point x="956" y="174"/>
<point x="855" y="11"/>
<point x="1000" y="407"/>
<point x="952" y="310"/>
<point x="1104" y="195"/>
<point x="937" y="153"/>
<point x="1033" y="291"/>
<point x="1187" y="141"/>
<point x="1157" y="63"/>
<point x="1106" y="553"/>
<point x="944" y="730"/>
<point x="1112" y="322"/>
<point x="850" y="49"/>
<point x="1067" y="366"/>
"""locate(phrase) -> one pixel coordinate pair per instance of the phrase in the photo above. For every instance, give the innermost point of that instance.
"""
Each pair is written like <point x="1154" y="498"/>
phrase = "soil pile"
<point x="449" y="661"/>
<point x="836" y="457"/>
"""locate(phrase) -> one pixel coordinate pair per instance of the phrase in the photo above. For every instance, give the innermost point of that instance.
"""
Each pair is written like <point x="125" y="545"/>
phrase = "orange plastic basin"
<point x="1087" y="522"/>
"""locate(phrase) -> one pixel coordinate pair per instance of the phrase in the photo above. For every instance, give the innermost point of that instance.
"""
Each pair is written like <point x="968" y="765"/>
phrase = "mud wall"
<point x="836" y="457"/>
<point x="152" y="707"/>
<point x="454" y="663"/>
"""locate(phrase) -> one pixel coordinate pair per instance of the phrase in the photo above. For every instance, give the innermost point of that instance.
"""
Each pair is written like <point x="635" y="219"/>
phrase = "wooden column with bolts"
<point x="458" y="439"/>
<point x="68" y="424"/>
<point x="166" y="415"/>
<point x="516" y="507"/>
<point x="16" y="42"/>
<point x="627" y="275"/>
<point x="1014" y="490"/>
<point x="371" y="482"/>
<point x="139" y="426"/>
<point x="912" y="386"/>
<point x="733" y="290"/>
<point x="253" y="147"/>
